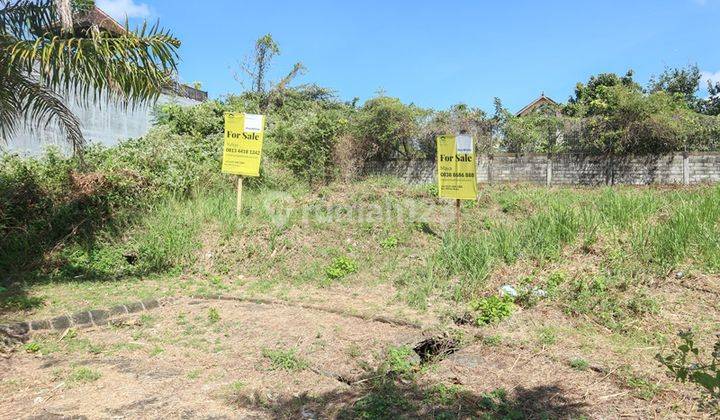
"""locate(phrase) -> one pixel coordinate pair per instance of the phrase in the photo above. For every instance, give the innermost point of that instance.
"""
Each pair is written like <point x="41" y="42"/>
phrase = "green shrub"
<point x="579" y="364"/>
<point x="389" y="242"/>
<point x="340" y="267"/>
<point x="285" y="359"/>
<point x="686" y="364"/>
<point x="213" y="315"/>
<point x="400" y="361"/>
<point x="492" y="309"/>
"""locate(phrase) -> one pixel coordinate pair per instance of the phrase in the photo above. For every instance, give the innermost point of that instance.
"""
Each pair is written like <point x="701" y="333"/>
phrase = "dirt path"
<point x="195" y="358"/>
<point x="181" y="360"/>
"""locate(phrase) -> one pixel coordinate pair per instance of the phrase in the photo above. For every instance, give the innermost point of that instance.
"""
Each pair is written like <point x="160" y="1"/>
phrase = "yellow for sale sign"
<point x="243" y="144"/>
<point x="456" y="167"/>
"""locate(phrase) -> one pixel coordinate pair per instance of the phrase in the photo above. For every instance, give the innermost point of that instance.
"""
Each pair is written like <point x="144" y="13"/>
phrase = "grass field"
<point x="601" y="278"/>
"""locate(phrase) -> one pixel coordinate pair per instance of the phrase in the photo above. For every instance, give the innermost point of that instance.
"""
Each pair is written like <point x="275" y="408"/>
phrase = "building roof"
<point x="537" y="103"/>
<point x="98" y="17"/>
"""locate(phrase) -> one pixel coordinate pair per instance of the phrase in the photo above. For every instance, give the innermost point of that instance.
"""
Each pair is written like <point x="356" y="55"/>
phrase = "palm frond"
<point x="24" y="19"/>
<point x="135" y="65"/>
<point x="25" y="101"/>
<point x="38" y="63"/>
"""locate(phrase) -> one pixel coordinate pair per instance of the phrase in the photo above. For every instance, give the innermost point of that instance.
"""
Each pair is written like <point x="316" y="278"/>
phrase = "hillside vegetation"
<point x="582" y="278"/>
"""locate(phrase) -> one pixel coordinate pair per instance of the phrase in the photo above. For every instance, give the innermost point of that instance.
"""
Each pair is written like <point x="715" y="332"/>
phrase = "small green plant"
<point x="643" y="388"/>
<point x="444" y="395"/>
<point x="431" y="190"/>
<point x="354" y="351"/>
<point x="579" y="363"/>
<point x="213" y="315"/>
<point x="285" y="359"/>
<point x="547" y="336"/>
<point x="32" y="347"/>
<point x="686" y="365"/>
<point x="146" y="320"/>
<point x="84" y="375"/>
<point x="389" y="242"/>
<point x="492" y="340"/>
<point x="156" y="351"/>
<point x="400" y="361"/>
<point x="340" y="267"/>
<point x="21" y="303"/>
<point x="237" y="386"/>
<point x="492" y="309"/>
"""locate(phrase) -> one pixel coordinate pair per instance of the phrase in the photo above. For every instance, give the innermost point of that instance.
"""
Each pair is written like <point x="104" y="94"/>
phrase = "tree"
<point x="459" y="118"/>
<point x="683" y="82"/>
<point x="586" y="95"/>
<point x="257" y="67"/>
<point x="41" y="60"/>
<point x="711" y="106"/>
<point x="385" y="128"/>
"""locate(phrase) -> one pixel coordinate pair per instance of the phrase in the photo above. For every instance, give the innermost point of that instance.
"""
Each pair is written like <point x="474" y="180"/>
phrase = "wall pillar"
<point x="489" y="169"/>
<point x="686" y="169"/>
<point x="548" y="172"/>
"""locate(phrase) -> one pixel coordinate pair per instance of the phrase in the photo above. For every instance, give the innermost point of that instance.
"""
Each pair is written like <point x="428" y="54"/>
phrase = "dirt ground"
<point x="194" y="358"/>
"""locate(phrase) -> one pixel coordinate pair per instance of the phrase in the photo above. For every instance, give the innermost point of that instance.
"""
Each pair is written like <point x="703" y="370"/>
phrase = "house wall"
<point x="104" y="121"/>
<point x="570" y="169"/>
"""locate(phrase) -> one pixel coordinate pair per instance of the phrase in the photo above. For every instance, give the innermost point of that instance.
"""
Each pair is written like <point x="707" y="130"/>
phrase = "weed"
<point x="146" y="320"/>
<point x="213" y="315"/>
<point x="385" y="401"/>
<point x="642" y="387"/>
<point x="492" y="340"/>
<point x="400" y="361"/>
<point x="32" y="347"/>
<point x="21" y="303"/>
<point x="285" y="359"/>
<point x="340" y="267"/>
<point x="579" y="364"/>
<point x="354" y="351"/>
<point x="237" y="386"/>
<point x="686" y="365"/>
<point x="547" y="336"/>
<point x="193" y="374"/>
<point x="155" y="351"/>
<point x="389" y="242"/>
<point x="492" y="309"/>
<point x="431" y="190"/>
<point x="84" y="375"/>
<point x="443" y="395"/>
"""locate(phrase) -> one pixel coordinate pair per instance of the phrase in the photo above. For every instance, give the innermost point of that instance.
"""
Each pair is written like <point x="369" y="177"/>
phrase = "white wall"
<point x="107" y="122"/>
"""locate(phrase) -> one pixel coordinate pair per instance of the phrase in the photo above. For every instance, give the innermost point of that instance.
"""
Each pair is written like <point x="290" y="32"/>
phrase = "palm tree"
<point x="43" y="56"/>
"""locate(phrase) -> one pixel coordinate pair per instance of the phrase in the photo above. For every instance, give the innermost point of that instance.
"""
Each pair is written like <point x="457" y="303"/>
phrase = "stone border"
<point x="95" y="317"/>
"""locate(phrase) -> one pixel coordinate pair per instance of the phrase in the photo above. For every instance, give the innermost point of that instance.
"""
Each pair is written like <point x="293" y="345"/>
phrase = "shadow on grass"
<point x="391" y="398"/>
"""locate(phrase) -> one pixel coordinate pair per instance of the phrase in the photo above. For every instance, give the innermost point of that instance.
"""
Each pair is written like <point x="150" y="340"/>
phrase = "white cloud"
<point x="122" y="9"/>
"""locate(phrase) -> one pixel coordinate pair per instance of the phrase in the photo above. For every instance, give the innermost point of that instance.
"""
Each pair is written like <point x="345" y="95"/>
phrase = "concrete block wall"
<point x="106" y="121"/>
<point x="570" y="169"/>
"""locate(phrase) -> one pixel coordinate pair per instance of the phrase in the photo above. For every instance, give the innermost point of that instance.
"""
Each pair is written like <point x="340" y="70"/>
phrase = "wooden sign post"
<point x="242" y="149"/>
<point x="457" y="168"/>
<point x="239" y="195"/>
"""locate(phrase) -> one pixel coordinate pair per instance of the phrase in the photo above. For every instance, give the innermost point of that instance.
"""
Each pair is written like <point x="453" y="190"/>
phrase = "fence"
<point x="570" y="169"/>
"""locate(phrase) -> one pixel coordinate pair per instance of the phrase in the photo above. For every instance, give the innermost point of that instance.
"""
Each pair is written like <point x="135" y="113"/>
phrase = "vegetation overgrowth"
<point x="154" y="216"/>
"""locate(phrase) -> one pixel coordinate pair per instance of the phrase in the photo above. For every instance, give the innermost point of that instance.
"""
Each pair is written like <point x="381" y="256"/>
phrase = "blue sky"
<point x="436" y="53"/>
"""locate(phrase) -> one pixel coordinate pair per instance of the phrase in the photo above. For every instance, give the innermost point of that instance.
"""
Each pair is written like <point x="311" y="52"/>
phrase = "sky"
<point x="439" y="53"/>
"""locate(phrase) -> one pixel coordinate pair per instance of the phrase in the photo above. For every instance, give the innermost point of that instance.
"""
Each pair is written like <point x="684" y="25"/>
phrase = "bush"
<point x="305" y="143"/>
<point x="492" y="309"/>
<point x="340" y="267"/>
<point x="686" y="365"/>
<point x="385" y="128"/>
<point x="48" y="201"/>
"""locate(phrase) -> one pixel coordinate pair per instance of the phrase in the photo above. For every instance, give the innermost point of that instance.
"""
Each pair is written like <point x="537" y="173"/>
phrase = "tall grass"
<point x="644" y="231"/>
